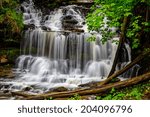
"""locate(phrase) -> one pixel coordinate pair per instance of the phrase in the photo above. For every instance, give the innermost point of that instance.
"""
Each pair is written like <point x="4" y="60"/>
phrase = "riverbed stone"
<point x="6" y="72"/>
<point x="27" y="88"/>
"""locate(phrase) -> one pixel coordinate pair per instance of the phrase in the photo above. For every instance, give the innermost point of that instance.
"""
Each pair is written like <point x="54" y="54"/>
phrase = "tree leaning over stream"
<point x="137" y="12"/>
<point x="130" y="17"/>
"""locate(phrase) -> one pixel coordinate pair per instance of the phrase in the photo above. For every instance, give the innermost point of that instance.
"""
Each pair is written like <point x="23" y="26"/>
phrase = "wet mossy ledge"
<point x="6" y="71"/>
<point x="51" y="4"/>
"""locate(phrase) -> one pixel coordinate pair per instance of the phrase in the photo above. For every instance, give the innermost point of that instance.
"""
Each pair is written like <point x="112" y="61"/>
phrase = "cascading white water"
<point x="56" y="56"/>
<point x="56" y="19"/>
<point x="54" y="53"/>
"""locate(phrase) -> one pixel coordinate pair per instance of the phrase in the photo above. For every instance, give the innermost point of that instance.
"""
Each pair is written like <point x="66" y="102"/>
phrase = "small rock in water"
<point x="31" y="26"/>
<point x="6" y="91"/>
<point x="27" y="88"/>
<point x="46" y="28"/>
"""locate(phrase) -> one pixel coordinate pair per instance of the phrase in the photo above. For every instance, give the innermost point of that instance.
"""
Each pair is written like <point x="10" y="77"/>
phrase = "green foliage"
<point x="114" y="10"/>
<point x="11" y="53"/>
<point x="113" y="95"/>
<point x="75" y="97"/>
<point x="110" y="13"/>
<point x="135" y="92"/>
<point x="50" y="98"/>
<point x="147" y="50"/>
<point x="10" y="19"/>
<point x="91" y="38"/>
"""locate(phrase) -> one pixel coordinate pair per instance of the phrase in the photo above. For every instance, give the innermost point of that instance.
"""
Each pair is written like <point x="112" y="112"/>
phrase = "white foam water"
<point x="64" y="60"/>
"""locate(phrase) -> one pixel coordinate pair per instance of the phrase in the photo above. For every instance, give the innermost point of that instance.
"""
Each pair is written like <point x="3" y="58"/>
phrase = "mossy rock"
<point x="10" y="54"/>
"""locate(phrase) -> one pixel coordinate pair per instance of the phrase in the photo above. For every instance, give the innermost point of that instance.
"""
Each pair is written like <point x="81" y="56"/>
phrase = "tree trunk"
<point x="97" y="90"/>
<point x="121" y="41"/>
<point x="139" y="58"/>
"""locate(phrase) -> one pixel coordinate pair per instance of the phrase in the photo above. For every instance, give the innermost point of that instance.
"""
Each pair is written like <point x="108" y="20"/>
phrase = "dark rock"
<point x="27" y="88"/>
<point x="67" y="17"/>
<point x="75" y="30"/>
<point x="31" y="26"/>
<point x="72" y="21"/>
<point x="46" y="28"/>
<point x="6" y="91"/>
<point x="83" y="23"/>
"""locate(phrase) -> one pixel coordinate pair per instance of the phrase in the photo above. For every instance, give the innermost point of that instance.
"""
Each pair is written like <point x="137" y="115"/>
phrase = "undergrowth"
<point x="135" y="92"/>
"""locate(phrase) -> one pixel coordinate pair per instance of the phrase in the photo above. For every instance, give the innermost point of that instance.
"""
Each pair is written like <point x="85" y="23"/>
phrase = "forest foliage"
<point x="106" y="14"/>
<point x="10" y="19"/>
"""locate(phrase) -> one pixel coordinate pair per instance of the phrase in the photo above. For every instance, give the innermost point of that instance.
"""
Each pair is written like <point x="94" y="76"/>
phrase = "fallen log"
<point x="138" y="59"/>
<point x="19" y="93"/>
<point x="25" y="95"/>
<point x="97" y="90"/>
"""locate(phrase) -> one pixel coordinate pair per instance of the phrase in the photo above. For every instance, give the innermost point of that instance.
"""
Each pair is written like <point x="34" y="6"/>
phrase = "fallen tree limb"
<point x="97" y="90"/>
<point x="19" y="93"/>
<point x="23" y="94"/>
<point x="138" y="59"/>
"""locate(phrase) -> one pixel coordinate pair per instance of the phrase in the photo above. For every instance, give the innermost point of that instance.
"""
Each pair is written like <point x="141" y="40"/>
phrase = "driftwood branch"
<point x="97" y="90"/>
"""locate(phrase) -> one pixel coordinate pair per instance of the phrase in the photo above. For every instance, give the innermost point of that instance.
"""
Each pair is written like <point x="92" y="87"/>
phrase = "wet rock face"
<point x="69" y="22"/>
<point x="51" y="3"/>
<point x="6" y="72"/>
<point x="72" y="18"/>
<point x="27" y="88"/>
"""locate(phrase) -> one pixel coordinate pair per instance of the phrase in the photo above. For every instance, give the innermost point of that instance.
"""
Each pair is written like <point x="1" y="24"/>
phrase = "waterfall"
<point x="125" y="60"/>
<point x="55" y="51"/>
